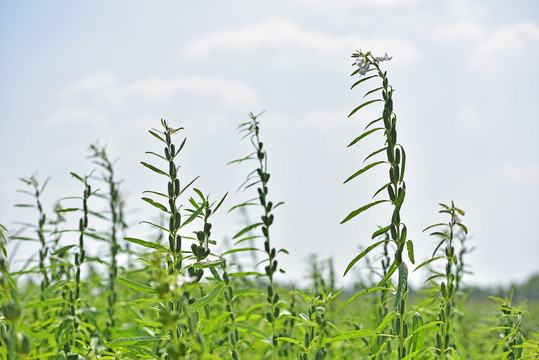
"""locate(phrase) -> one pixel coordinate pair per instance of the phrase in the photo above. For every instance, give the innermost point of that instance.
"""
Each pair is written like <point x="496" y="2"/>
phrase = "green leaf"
<point x="155" y="154"/>
<point x="157" y="136"/>
<point x="362" y="79"/>
<point x="291" y="340"/>
<point x="418" y="335"/>
<point x="188" y="185"/>
<point x="403" y="284"/>
<point x="246" y="229"/>
<point x="363" y="253"/>
<point x="372" y="91"/>
<point x="435" y="225"/>
<point x="361" y="171"/>
<point x="245" y="273"/>
<point x="77" y="176"/>
<point x="156" y="204"/>
<point x="362" y="209"/>
<point x="192" y="217"/>
<point x="206" y="300"/>
<point x="347" y="335"/>
<point x="381" y="189"/>
<point x="147" y="244"/>
<point x="410" y="248"/>
<point x="220" y="203"/>
<point x="63" y="249"/>
<point x="363" y="105"/>
<point x="373" y="122"/>
<point x="390" y="272"/>
<point x="132" y="341"/>
<point x="153" y="168"/>
<point x="155" y="225"/>
<point x="215" y="322"/>
<point x="380" y="231"/>
<point x="358" y="295"/>
<point x="365" y="134"/>
<point x="136" y="286"/>
<point x="240" y="250"/>
<point x="383" y="324"/>
<point x="252" y="330"/>
<point x="208" y="264"/>
<point x="374" y="153"/>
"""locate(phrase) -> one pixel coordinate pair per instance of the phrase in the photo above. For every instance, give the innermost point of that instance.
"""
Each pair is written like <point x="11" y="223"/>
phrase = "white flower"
<point x="385" y="58"/>
<point x="363" y="65"/>
<point x="455" y="219"/>
<point x="182" y="279"/>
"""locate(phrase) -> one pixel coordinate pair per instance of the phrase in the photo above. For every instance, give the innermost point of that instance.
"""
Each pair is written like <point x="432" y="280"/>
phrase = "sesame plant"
<point x="94" y="287"/>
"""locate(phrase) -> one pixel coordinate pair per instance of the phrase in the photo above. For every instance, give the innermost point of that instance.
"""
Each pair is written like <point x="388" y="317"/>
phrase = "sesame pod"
<point x="391" y="193"/>
<point x="171" y="243"/>
<point x="170" y="189"/>
<point x="177" y="187"/>
<point x="172" y="150"/>
<point x="438" y="340"/>
<point x="269" y="317"/>
<point x="270" y="291"/>
<point x="178" y="243"/>
<point x="167" y="153"/>
<point x="177" y="220"/>
<point x="306" y="340"/>
<point x="443" y="290"/>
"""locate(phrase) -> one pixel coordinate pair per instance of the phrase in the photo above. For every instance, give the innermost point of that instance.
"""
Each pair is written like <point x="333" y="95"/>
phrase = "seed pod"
<point x="171" y="243"/>
<point x="177" y="187"/>
<point x="170" y="189"/>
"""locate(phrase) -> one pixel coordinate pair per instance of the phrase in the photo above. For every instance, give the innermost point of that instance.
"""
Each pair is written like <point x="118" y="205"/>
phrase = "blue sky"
<point x="465" y="76"/>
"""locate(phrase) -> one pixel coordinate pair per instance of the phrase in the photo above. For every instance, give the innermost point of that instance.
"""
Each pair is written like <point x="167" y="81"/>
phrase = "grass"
<point x="176" y="298"/>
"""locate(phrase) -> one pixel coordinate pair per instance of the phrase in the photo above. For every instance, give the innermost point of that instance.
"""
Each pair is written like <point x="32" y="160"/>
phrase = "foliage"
<point x="181" y="300"/>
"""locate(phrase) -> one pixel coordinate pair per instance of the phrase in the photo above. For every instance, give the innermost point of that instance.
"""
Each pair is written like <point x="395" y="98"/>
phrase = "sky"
<point x="464" y="73"/>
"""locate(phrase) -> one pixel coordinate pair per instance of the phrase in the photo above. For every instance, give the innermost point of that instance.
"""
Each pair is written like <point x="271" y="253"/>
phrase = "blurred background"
<point x="465" y="77"/>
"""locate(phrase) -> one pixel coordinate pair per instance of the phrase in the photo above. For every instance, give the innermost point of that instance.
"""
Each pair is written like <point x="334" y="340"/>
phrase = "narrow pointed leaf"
<point x="246" y="229"/>
<point x="361" y="80"/>
<point x="153" y="168"/>
<point x="361" y="171"/>
<point x="136" y="286"/>
<point x="362" y="209"/>
<point x="363" y="253"/>
<point x="363" y="105"/>
<point x="365" y="134"/>
<point x="146" y="244"/>
<point x="403" y="284"/>
<point x="208" y="298"/>
<point x="156" y="204"/>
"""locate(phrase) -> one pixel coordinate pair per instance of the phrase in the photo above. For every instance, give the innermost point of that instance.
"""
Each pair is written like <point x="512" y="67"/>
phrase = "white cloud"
<point x="278" y="41"/>
<point x="346" y="4"/>
<point x="508" y="46"/>
<point x="106" y="93"/>
<point x="521" y="175"/>
<point x="461" y="31"/>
